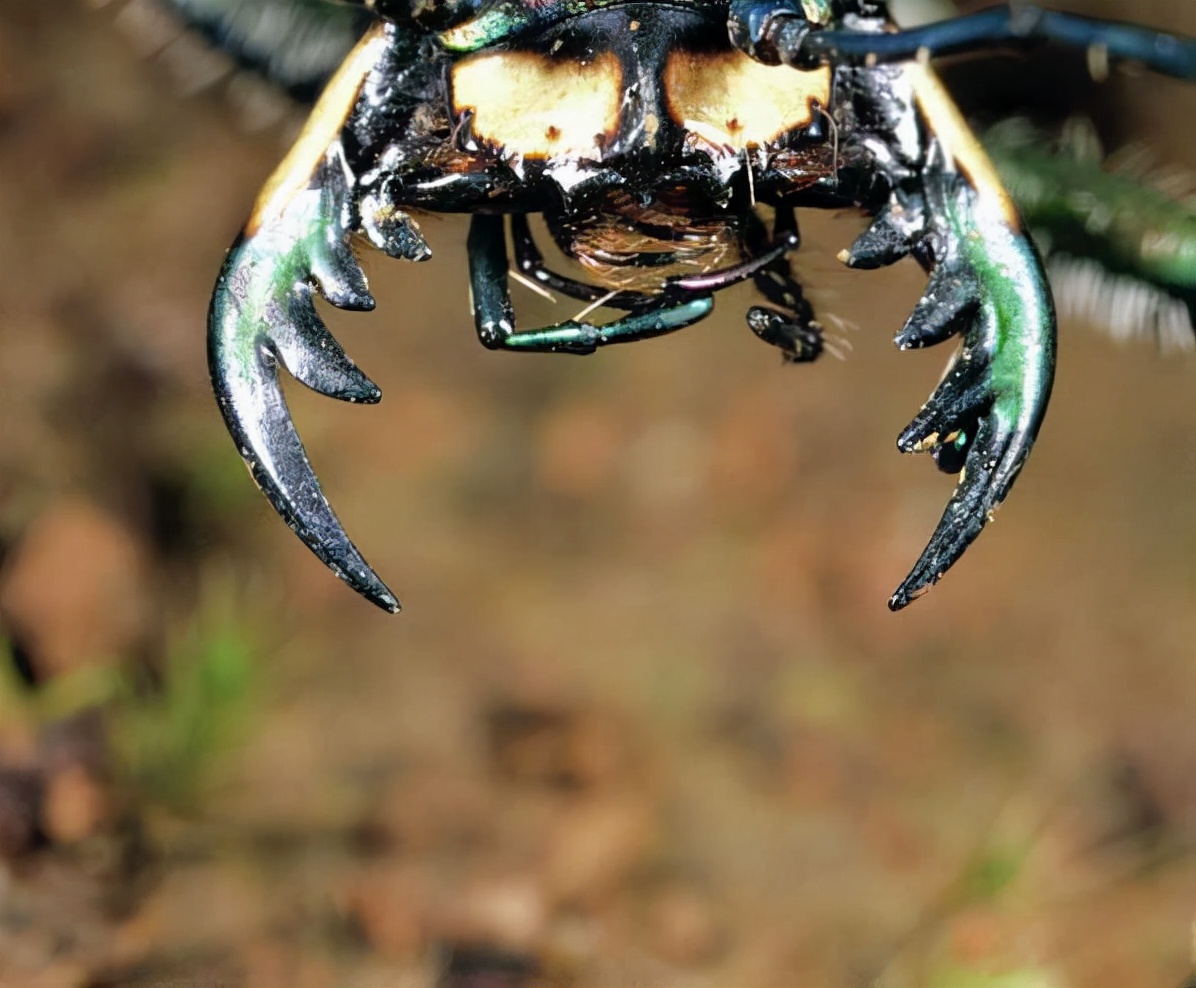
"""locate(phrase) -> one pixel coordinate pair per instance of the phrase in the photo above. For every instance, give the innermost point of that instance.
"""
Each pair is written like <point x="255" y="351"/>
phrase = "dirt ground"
<point x="645" y="718"/>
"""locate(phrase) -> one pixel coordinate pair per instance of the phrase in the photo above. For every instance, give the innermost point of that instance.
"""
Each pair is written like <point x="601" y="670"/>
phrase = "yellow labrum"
<point x="731" y="100"/>
<point x="536" y="106"/>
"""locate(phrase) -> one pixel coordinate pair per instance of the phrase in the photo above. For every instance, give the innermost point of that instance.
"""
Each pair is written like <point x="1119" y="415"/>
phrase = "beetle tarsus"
<point x="789" y="323"/>
<point x="391" y="230"/>
<point x="799" y="342"/>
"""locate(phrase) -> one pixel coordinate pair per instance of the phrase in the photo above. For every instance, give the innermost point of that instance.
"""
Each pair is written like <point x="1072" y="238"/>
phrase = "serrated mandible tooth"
<point x="887" y="240"/>
<point x="314" y="357"/>
<point x="949" y="306"/>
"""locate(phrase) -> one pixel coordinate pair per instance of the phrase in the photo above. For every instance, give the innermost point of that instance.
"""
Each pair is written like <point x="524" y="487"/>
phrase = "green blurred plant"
<point x="167" y="741"/>
<point x="992" y="871"/>
<point x="166" y="738"/>
<point x="28" y="707"/>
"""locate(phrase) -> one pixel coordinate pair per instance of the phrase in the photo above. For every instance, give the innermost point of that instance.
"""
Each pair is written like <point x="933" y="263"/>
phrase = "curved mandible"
<point x="948" y="207"/>
<point x="262" y="314"/>
<point x="988" y="285"/>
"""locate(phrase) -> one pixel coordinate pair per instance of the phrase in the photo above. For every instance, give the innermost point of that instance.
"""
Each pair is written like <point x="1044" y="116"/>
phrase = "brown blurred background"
<point x="645" y="718"/>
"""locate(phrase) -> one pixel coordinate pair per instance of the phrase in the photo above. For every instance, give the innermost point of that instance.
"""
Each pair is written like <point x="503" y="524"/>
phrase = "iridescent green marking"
<point x="1017" y="321"/>
<point x="818" y="12"/>
<point x="510" y="17"/>
<point x="506" y="19"/>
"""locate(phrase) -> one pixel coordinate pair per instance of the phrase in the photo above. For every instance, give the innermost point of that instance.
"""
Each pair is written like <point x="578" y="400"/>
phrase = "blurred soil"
<point x="645" y="718"/>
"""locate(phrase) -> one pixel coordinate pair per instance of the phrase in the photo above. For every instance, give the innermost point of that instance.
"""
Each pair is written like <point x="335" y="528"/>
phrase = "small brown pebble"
<point x="553" y="747"/>
<point x="682" y="926"/>
<point x="75" y="805"/>
<point x="509" y="912"/>
<point x="391" y="910"/>
<point x="75" y="589"/>
<point x="595" y="845"/>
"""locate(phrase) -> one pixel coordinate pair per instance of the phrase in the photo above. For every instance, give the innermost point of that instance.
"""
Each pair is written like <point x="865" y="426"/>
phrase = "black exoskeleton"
<point x="666" y="146"/>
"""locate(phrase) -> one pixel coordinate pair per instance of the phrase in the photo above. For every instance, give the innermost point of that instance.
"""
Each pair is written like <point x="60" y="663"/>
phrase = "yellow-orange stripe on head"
<point x="731" y="100"/>
<point x="323" y="127"/>
<point x="533" y="105"/>
<point x="957" y="139"/>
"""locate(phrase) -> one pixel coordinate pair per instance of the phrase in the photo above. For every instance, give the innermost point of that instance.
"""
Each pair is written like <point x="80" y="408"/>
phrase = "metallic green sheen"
<point x="1017" y="317"/>
<point x="509" y="18"/>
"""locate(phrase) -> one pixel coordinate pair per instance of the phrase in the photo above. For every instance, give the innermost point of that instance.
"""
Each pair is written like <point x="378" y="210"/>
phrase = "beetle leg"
<point x="263" y="314"/>
<point x="717" y="280"/>
<point x="789" y="323"/>
<point x="790" y="326"/>
<point x="495" y="318"/>
<point x="580" y="337"/>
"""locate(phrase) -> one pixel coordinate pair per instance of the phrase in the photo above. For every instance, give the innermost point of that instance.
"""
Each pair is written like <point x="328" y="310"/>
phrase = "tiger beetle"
<point x="666" y="146"/>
